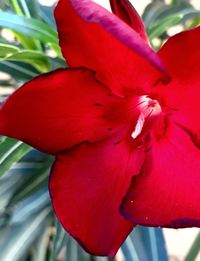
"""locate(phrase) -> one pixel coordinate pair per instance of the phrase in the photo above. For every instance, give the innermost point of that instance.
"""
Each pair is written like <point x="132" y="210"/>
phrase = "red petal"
<point x="180" y="98"/>
<point x="94" y="38"/>
<point x="125" y="11"/>
<point x="87" y="185"/>
<point x="60" y="109"/>
<point x="166" y="193"/>
<point x="181" y="53"/>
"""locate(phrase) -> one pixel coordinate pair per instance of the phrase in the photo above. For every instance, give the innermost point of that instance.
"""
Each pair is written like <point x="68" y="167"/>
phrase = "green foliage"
<point x="162" y="25"/>
<point x="38" y="59"/>
<point x="194" y="250"/>
<point x="10" y="152"/>
<point x="159" y="17"/>
<point x="28" y="27"/>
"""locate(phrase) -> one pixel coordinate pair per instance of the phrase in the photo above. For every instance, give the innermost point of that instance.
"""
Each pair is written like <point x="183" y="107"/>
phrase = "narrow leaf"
<point x="15" y="153"/>
<point x="28" y="26"/>
<point x="161" y="26"/>
<point x="6" y="49"/>
<point x="37" y="180"/>
<point x="19" y="71"/>
<point x="36" y="58"/>
<point x="59" y="240"/>
<point x="16" y="240"/>
<point x="194" y="250"/>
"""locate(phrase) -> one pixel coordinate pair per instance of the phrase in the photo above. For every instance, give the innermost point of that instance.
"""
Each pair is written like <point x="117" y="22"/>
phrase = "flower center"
<point x="148" y="110"/>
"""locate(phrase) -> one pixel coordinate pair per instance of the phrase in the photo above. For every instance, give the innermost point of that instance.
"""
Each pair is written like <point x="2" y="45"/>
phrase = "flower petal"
<point x="60" y="109"/>
<point x="125" y="11"/>
<point x="180" y="53"/>
<point x="87" y="185"/>
<point x="180" y="98"/>
<point x="166" y="193"/>
<point x="92" y="37"/>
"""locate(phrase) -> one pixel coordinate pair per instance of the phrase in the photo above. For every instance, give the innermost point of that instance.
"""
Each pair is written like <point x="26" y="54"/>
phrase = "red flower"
<point x="125" y="133"/>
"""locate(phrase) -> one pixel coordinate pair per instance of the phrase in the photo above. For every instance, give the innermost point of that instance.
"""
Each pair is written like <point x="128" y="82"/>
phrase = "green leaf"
<point x="152" y="11"/>
<point x="40" y="248"/>
<point x="157" y="11"/>
<point x="130" y="251"/>
<point x="194" y="250"/>
<point x="19" y="71"/>
<point x="47" y="15"/>
<point x="9" y="183"/>
<point x="27" y="41"/>
<point x="146" y="244"/>
<point x="5" y="145"/>
<point x="37" y="180"/>
<point x="6" y="49"/>
<point x="195" y="22"/>
<point x="30" y="206"/>
<point x="20" y="8"/>
<point x="28" y="26"/>
<point x="33" y="6"/>
<point x="24" y="8"/>
<point x="16" y="240"/>
<point x="59" y="240"/>
<point x="75" y="253"/>
<point x="177" y="9"/>
<point x="11" y="154"/>
<point x="161" y="26"/>
<point x="57" y="63"/>
<point x="16" y="7"/>
<point x="3" y="4"/>
<point x="37" y="59"/>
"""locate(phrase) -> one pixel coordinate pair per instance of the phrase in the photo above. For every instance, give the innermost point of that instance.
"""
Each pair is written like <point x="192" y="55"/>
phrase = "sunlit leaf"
<point x="6" y="49"/>
<point x="161" y="26"/>
<point x="35" y="58"/>
<point x="28" y="26"/>
<point x="11" y="155"/>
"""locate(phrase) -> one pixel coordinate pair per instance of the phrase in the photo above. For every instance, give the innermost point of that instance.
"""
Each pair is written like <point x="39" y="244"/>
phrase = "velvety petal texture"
<point x="126" y="12"/>
<point x="180" y="98"/>
<point x="87" y="184"/>
<point x="126" y="135"/>
<point x="61" y="109"/>
<point x="166" y="193"/>
<point x="100" y="41"/>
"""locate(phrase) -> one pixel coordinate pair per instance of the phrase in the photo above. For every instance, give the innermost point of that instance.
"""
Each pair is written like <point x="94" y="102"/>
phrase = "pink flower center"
<point x="149" y="109"/>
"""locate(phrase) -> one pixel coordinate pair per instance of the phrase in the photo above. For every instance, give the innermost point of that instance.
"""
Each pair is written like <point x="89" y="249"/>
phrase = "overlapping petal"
<point x="126" y="12"/>
<point x="87" y="185"/>
<point x="180" y="98"/>
<point x="60" y="109"/>
<point x="166" y="193"/>
<point x="94" y="38"/>
<point x="117" y="130"/>
<point x="167" y="190"/>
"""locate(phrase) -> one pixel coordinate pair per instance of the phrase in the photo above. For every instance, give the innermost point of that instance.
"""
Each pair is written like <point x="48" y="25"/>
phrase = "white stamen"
<point x="148" y="107"/>
<point x="138" y="127"/>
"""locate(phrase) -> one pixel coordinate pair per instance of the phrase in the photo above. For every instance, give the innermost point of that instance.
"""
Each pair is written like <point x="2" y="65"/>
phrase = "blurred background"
<point x="28" y="227"/>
